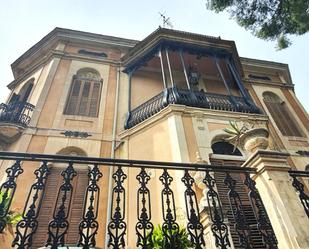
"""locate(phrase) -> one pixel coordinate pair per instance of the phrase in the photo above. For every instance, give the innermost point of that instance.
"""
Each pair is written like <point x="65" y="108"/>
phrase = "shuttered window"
<point x="281" y="115"/>
<point x="53" y="182"/>
<point x="84" y="96"/>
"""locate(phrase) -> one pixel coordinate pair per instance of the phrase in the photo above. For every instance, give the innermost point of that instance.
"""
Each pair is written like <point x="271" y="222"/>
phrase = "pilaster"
<point x="287" y="216"/>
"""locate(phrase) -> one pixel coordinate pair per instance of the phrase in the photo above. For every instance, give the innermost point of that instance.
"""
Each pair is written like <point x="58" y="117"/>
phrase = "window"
<point x="24" y="92"/>
<point x="84" y="95"/>
<point x="224" y="148"/>
<point x="281" y="115"/>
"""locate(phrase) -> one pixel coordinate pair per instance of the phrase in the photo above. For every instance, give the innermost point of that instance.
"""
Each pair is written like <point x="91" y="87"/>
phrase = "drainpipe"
<point x="111" y="168"/>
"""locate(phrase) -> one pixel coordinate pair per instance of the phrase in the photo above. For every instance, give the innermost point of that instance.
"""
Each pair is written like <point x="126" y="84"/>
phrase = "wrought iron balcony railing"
<point x="18" y="113"/>
<point x="300" y="187"/>
<point x="237" y="181"/>
<point x="198" y="99"/>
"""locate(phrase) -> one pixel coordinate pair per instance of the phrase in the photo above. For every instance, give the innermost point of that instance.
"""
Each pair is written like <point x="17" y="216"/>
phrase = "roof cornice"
<point x="68" y="35"/>
<point x="168" y="35"/>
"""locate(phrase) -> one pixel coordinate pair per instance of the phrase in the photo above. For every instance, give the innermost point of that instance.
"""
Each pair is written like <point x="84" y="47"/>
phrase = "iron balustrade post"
<point x="117" y="226"/>
<point x="194" y="226"/>
<point x="26" y="228"/>
<point x="7" y="191"/>
<point x="300" y="188"/>
<point x="260" y="214"/>
<point x="170" y="227"/>
<point x="218" y="227"/>
<point x="144" y="227"/>
<point x="88" y="227"/>
<point x="59" y="225"/>
<point x="236" y="206"/>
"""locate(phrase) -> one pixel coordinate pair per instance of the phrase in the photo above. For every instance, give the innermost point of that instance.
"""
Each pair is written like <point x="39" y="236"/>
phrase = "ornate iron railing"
<point x="16" y="113"/>
<point x="300" y="187"/>
<point x="198" y="99"/>
<point x="117" y="231"/>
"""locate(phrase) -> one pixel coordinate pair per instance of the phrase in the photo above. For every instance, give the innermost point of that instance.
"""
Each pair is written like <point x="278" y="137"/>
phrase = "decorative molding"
<point x="92" y="53"/>
<point x="302" y="152"/>
<point x="76" y="134"/>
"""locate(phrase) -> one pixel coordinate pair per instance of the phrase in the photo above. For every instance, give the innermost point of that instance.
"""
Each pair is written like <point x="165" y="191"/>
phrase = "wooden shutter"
<point x="95" y="99"/>
<point x="83" y="106"/>
<point x="54" y="181"/>
<point x="257" y="239"/>
<point x="84" y="98"/>
<point x="73" y="97"/>
<point x="282" y="116"/>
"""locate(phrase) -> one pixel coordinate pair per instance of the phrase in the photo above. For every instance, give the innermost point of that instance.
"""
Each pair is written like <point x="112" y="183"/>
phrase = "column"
<point x="169" y="67"/>
<point x="126" y="126"/>
<point x="184" y="69"/>
<point x="222" y="76"/>
<point x="162" y="69"/>
<point x="285" y="211"/>
<point x="232" y="67"/>
<point x="129" y="91"/>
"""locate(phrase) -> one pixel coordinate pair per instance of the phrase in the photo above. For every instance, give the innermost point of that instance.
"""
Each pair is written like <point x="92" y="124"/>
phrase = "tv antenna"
<point x="166" y="21"/>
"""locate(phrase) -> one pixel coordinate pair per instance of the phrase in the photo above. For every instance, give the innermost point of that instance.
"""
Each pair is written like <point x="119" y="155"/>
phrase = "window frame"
<point x="83" y="81"/>
<point x="289" y="126"/>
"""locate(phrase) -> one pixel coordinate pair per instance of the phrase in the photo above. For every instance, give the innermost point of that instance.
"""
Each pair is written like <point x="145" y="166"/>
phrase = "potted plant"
<point x="158" y="241"/>
<point x="248" y="136"/>
<point x="11" y="219"/>
<point x="234" y="133"/>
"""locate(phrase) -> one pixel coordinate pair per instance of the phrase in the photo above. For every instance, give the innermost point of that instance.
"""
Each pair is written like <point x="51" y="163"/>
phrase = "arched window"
<point x="281" y="115"/>
<point x="84" y="95"/>
<point x="24" y="92"/>
<point x="224" y="148"/>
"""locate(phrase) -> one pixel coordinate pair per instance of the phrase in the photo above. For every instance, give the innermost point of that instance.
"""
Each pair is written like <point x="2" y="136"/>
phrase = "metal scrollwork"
<point x="170" y="228"/>
<point x="29" y="224"/>
<point x="236" y="206"/>
<point x="144" y="227"/>
<point x="218" y="228"/>
<point x="264" y="225"/>
<point x="304" y="198"/>
<point x="88" y="227"/>
<point x="194" y="226"/>
<point x="117" y="227"/>
<point x="7" y="191"/>
<point x="58" y="227"/>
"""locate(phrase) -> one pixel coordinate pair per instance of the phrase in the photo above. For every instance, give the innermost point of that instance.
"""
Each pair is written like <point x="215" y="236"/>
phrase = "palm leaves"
<point x="235" y="133"/>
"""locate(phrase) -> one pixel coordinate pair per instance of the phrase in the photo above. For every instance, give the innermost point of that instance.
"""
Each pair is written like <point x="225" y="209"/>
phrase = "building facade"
<point x="169" y="98"/>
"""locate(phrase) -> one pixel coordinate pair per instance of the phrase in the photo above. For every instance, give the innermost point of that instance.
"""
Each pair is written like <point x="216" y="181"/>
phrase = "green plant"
<point x="158" y="240"/>
<point x="12" y="217"/>
<point x="235" y="133"/>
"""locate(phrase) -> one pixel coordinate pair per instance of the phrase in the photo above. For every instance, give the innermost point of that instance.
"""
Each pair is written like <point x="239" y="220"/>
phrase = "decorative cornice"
<point x="61" y="55"/>
<point x="269" y="83"/>
<point x="189" y="111"/>
<point x="268" y="160"/>
<point x="250" y="62"/>
<point x="48" y="42"/>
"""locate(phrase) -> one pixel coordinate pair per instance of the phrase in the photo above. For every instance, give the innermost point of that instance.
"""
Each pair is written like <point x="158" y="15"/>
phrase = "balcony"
<point x="199" y="99"/>
<point x="235" y="214"/>
<point x="14" y="118"/>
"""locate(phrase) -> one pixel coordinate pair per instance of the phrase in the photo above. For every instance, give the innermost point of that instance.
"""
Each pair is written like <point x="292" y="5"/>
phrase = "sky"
<point x="24" y="22"/>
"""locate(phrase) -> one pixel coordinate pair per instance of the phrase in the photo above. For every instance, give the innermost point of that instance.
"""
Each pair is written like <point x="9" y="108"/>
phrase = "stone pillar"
<point x="287" y="215"/>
